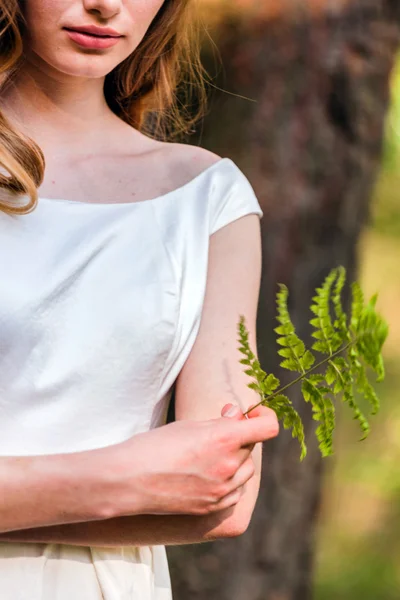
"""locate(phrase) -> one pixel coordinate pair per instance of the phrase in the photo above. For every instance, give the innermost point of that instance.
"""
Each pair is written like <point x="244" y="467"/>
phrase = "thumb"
<point x="231" y="411"/>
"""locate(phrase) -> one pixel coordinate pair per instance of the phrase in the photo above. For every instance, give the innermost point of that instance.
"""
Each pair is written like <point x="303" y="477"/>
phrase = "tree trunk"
<point x="310" y="145"/>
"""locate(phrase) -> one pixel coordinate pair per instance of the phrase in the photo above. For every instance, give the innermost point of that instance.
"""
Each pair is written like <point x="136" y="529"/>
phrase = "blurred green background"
<point x="358" y="549"/>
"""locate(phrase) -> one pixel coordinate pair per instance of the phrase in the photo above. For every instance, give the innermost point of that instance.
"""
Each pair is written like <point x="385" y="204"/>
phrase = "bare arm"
<point x="145" y="529"/>
<point x="38" y="491"/>
<point x="138" y="530"/>
<point x="211" y="377"/>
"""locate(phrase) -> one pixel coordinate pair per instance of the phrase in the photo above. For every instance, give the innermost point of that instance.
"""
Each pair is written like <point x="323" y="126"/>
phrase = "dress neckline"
<point x="177" y="190"/>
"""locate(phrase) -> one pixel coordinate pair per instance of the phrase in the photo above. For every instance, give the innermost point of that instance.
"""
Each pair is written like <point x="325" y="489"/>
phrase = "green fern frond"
<point x="360" y="380"/>
<point x="290" y="419"/>
<point x="365" y="388"/>
<point x="265" y="385"/>
<point x="293" y="351"/>
<point x="340" y="323"/>
<point x="323" y="412"/>
<point x="372" y="333"/>
<point x="328" y="341"/>
<point x="343" y="375"/>
<point x="352" y="344"/>
<point x="357" y="305"/>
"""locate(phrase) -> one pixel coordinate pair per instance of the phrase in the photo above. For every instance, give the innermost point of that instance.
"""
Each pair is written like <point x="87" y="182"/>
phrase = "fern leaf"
<point x="327" y="339"/>
<point x="352" y="344"/>
<point x="293" y="349"/>
<point x="357" y="305"/>
<point x="340" y="323"/>
<point x="308" y="360"/>
<point x="348" y="396"/>
<point x="316" y="378"/>
<point x="269" y="384"/>
<point x="365" y="388"/>
<point x="348" y="376"/>
<point x="265" y="385"/>
<point x="372" y="333"/>
<point x="323" y="411"/>
<point x="254" y="385"/>
<point x="289" y="418"/>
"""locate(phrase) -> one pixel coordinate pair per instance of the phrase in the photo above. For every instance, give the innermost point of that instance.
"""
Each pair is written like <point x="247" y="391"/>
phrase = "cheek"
<point x="42" y="11"/>
<point x="142" y="13"/>
<point x="41" y="18"/>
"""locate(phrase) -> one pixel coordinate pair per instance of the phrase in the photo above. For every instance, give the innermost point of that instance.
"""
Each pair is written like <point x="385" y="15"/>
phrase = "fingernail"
<point x="232" y="411"/>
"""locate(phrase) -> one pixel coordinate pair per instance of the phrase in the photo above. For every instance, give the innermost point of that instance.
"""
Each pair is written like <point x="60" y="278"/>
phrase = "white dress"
<point x="100" y="305"/>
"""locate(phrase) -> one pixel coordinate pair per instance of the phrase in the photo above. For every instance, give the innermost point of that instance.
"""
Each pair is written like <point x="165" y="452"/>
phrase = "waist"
<point x="46" y="571"/>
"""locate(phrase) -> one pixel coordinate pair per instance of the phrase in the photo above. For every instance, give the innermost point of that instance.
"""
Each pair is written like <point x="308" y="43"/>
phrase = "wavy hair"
<point x="159" y="89"/>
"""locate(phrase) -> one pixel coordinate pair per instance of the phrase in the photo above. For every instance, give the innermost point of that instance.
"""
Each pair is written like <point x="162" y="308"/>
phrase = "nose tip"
<point x="103" y="8"/>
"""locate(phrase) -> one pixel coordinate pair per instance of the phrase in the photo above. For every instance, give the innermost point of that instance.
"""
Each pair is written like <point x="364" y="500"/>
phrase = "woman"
<point x="109" y="258"/>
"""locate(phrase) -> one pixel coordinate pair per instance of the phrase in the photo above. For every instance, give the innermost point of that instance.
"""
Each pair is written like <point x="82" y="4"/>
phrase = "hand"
<point x="189" y="467"/>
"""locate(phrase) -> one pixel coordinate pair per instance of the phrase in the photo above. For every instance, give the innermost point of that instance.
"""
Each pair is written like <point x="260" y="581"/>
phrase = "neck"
<point x="49" y="106"/>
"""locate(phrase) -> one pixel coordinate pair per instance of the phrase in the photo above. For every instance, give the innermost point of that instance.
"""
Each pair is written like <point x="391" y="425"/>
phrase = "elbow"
<point x="236" y="529"/>
<point x="234" y="521"/>
<point x="240" y="519"/>
<point x="233" y="526"/>
<point x="225" y="528"/>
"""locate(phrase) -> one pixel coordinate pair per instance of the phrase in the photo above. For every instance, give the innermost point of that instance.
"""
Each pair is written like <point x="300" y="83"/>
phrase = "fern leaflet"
<point x="350" y="345"/>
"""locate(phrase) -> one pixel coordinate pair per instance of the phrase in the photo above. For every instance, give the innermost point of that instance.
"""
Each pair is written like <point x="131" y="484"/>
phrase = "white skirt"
<point x="62" y="572"/>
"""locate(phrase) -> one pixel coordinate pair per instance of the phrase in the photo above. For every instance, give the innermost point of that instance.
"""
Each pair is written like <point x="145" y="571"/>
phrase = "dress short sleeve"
<point x="233" y="197"/>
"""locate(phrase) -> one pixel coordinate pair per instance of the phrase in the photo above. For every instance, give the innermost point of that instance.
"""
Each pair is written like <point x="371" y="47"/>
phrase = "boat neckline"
<point x="177" y="190"/>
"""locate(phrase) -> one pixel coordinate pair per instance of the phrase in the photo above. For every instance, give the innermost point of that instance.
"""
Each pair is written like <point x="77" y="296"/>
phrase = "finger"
<point x="232" y="411"/>
<point x="260" y="411"/>
<point x="242" y="475"/>
<point x="252" y="431"/>
<point x="244" y="453"/>
<point x="228" y="501"/>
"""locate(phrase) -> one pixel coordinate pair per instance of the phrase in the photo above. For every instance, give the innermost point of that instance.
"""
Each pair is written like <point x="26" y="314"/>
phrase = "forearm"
<point x="38" y="491"/>
<point x="149" y="530"/>
<point x="138" y="530"/>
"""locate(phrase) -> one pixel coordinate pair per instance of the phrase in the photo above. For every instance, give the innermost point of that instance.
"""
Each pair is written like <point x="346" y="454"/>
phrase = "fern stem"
<point x="285" y="387"/>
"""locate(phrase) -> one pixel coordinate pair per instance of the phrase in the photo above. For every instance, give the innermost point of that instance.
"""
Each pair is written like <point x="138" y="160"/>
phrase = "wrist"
<point x="78" y="484"/>
<point x="117" y="484"/>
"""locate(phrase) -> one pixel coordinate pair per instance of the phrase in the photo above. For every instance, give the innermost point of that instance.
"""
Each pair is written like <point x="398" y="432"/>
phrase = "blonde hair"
<point x="152" y="90"/>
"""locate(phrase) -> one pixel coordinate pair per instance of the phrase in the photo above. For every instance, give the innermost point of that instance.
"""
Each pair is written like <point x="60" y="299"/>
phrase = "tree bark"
<point x="310" y="145"/>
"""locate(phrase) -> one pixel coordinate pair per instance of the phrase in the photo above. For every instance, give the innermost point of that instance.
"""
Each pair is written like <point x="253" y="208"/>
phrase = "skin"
<point x="50" y="50"/>
<point x="58" y="95"/>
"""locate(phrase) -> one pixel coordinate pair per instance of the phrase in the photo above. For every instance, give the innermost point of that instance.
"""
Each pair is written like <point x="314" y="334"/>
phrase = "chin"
<point x="90" y="67"/>
<point x="85" y="65"/>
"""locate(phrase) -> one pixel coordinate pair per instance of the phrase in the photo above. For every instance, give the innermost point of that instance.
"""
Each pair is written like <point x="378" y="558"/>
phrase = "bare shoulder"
<point x="185" y="162"/>
<point x="193" y="158"/>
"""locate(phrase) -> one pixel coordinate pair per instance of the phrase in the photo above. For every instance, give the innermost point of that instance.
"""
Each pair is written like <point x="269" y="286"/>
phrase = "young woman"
<point x="124" y="267"/>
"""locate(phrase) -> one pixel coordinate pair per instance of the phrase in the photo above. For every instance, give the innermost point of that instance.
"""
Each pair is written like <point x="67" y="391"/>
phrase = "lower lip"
<point x="91" y="41"/>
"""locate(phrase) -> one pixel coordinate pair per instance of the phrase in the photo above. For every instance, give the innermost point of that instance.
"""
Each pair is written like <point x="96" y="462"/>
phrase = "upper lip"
<point x="96" y="30"/>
